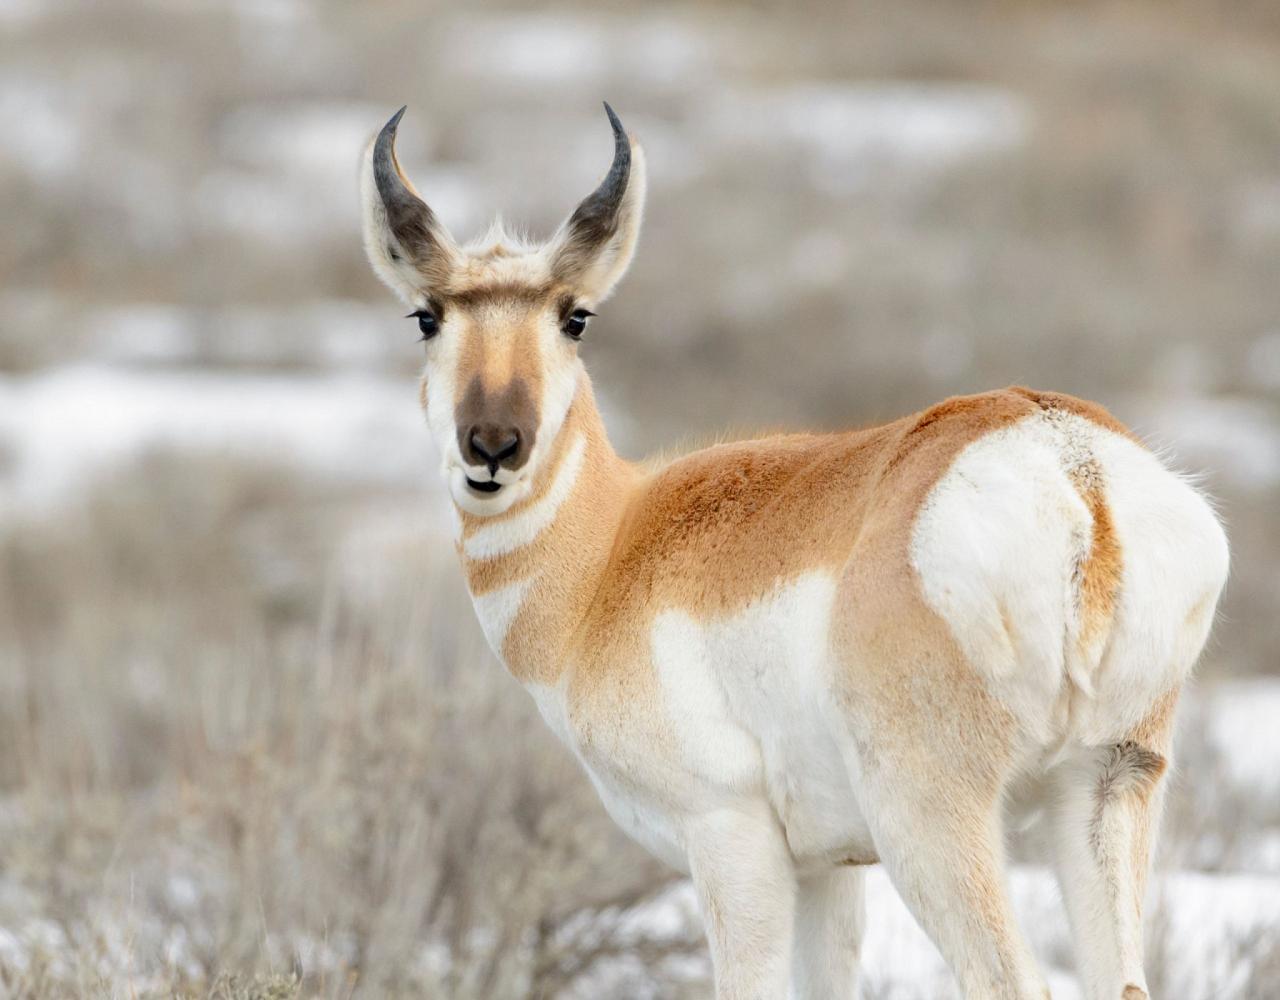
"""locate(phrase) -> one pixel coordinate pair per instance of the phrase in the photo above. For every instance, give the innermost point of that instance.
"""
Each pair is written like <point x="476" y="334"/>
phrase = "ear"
<point x="407" y="246"/>
<point x="592" y="250"/>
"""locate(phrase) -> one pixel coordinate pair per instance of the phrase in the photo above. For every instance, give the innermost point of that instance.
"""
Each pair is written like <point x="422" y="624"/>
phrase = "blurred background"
<point x="251" y="741"/>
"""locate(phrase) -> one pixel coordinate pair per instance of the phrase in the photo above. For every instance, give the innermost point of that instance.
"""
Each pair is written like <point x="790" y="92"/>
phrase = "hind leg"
<point x="828" y="934"/>
<point x="932" y="768"/>
<point x="944" y="858"/>
<point x="1103" y="819"/>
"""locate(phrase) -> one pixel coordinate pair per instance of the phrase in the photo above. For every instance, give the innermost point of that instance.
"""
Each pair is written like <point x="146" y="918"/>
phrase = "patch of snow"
<point x="61" y="427"/>
<point x="278" y="13"/>
<point x="847" y="132"/>
<point x="1206" y="917"/>
<point x="286" y="206"/>
<point x="268" y="208"/>
<point x="42" y="134"/>
<point x="530" y="48"/>
<point x="146" y="332"/>
<point x="14" y="12"/>
<point x="1242" y="718"/>
<point x="324" y="137"/>
<point x="343" y="334"/>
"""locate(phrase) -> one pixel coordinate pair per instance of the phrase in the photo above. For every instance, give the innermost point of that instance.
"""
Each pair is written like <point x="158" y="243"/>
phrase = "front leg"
<point x="828" y="934"/>
<point x="746" y="886"/>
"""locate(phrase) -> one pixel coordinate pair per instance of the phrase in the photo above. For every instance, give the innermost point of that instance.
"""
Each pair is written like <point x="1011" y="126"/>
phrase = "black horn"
<point x="596" y="219"/>
<point x="409" y="218"/>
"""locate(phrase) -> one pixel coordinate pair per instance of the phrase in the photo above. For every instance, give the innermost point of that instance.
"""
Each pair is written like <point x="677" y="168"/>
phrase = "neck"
<point x="534" y="570"/>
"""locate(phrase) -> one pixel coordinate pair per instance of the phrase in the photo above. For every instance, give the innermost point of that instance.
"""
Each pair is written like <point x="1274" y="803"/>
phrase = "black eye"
<point x="576" y="323"/>
<point x="427" y="323"/>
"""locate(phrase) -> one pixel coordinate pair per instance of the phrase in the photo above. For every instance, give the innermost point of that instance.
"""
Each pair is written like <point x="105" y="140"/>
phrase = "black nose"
<point x="492" y="445"/>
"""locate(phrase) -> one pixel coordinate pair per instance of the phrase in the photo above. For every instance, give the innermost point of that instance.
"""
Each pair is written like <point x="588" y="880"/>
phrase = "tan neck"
<point x="534" y="570"/>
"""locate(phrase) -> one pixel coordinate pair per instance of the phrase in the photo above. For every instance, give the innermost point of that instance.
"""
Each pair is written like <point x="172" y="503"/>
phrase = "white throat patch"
<point x="492" y="540"/>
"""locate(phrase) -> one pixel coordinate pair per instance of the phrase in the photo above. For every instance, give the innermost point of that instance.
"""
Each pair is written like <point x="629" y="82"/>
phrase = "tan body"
<point x="781" y="659"/>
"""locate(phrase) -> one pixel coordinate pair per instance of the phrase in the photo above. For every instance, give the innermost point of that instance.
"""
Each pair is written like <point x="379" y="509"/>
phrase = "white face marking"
<point x="559" y="386"/>
<point x="548" y="358"/>
<point x="498" y="539"/>
<point x="485" y="505"/>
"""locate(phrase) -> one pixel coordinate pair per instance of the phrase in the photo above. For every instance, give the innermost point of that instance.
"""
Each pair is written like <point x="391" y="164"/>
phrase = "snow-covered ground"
<point x="61" y="428"/>
<point x="1206" y="918"/>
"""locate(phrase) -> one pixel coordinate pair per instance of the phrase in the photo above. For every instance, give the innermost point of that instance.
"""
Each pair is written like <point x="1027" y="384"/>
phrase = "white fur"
<point x="498" y="609"/>
<point x="1175" y="565"/>
<point x="995" y="547"/>
<point x="1089" y="835"/>
<point x="829" y="923"/>
<point x="551" y="706"/>
<point x="500" y="537"/>
<point x="711" y="742"/>
<point x="747" y="702"/>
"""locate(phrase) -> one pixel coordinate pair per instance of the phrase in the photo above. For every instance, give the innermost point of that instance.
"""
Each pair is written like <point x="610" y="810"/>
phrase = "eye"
<point x="427" y="323"/>
<point x="576" y="323"/>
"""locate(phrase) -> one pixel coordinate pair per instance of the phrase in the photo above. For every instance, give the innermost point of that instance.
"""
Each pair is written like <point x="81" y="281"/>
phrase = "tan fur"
<point x="1100" y="575"/>
<point x="500" y="342"/>
<point x="714" y="530"/>
<point x="1155" y="734"/>
<point x="1155" y="731"/>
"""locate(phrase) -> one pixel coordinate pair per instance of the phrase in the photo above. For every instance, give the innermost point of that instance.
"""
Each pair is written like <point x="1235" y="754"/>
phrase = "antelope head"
<point x="500" y="319"/>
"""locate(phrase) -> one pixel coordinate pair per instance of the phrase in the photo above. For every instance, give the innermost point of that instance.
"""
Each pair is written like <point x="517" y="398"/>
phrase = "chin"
<point x="483" y="504"/>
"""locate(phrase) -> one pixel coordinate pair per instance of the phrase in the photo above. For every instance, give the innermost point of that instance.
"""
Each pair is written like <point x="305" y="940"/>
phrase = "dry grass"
<point x="231" y="746"/>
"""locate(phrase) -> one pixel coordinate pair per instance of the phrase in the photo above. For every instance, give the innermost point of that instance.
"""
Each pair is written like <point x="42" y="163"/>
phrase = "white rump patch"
<point x="996" y="546"/>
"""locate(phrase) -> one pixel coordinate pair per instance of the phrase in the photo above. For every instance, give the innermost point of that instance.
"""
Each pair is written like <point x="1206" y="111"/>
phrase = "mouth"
<point x="489" y="486"/>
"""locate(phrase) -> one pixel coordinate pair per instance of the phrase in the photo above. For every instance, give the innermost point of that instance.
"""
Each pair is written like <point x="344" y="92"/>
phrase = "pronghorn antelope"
<point x="780" y="660"/>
